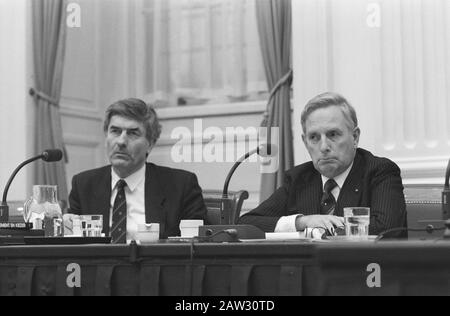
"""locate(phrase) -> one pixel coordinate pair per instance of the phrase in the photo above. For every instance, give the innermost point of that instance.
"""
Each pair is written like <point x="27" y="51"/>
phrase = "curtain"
<point x="275" y="29"/>
<point x="202" y="51"/>
<point x="49" y="32"/>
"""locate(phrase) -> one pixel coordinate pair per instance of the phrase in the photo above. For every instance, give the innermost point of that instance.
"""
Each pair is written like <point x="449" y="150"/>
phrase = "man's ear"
<point x="356" y="134"/>
<point x="304" y="139"/>
<point x="149" y="150"/>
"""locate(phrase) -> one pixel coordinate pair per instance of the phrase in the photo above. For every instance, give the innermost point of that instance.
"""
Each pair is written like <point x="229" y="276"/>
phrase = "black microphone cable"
<point x="446" y="195"/>
<point x="429" y="229"/>
<point x="230" y="232"/>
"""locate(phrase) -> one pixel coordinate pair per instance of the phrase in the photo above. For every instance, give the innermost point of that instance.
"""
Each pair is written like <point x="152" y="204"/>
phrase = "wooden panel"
<point x="241" y="127"/>
<point x="80" y="57"/>
<point x="81" y="155"/>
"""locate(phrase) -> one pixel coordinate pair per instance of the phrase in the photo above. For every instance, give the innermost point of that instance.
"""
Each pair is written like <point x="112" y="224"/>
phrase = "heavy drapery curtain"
<point x="202" y="51"/>
<point x="275" y="29"/>
<point x="49" y="32"/>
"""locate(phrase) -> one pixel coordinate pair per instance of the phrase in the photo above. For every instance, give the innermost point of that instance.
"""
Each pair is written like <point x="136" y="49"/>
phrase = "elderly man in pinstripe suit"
<point x="339" y="175"/>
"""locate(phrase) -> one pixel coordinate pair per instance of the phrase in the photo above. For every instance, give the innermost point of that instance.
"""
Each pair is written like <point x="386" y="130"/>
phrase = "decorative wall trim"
<point x="166" y="140"/>
<point x="75" y="111"/>
<point x="422" y="170"/>
<point x="79" y="140"/>
<point x="183" y="112"/>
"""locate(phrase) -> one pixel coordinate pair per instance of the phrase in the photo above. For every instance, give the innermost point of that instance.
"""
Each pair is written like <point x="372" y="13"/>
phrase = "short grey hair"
<point x="325" y="100"/>
<point x="139" y="111"/>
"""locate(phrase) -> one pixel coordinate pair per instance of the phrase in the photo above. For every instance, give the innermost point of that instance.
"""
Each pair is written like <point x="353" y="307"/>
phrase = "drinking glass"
<point x="357" y="220"/>
<point x="44" y="211"/>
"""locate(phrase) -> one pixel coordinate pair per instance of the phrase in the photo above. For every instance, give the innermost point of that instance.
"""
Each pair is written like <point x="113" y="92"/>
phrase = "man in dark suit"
<point x="339" y="175"/>
<point x="131" y="192"/>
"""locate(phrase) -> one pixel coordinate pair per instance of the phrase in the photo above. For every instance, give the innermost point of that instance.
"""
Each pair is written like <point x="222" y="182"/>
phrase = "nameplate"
<point x="19" y="226"/>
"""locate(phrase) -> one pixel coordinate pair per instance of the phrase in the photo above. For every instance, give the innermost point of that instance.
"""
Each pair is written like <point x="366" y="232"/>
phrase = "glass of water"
<point x="357" y="220"/>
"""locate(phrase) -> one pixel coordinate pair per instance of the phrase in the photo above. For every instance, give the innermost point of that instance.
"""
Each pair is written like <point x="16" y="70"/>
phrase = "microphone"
<point x="446" y="195"/>
<point x="48" y="155"/>
<point x="232" y="233"/>
<point x="264" y="150"/>
<point x="51" y="155"/>
<point x="229" y="233"/>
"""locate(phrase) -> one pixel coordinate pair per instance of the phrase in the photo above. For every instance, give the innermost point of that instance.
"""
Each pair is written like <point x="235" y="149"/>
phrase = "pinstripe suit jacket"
<point x="372" y="182"/>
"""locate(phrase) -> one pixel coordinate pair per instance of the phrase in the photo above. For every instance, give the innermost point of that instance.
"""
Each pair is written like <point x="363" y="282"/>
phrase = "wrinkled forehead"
<point x="328" y="118"/>
<point x="125" y="123"/>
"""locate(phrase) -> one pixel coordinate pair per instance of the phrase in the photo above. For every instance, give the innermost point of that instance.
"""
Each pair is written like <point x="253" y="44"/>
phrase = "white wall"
<point x="397" y="75"/>
<point x="16" y="107"/>
<point x="212" y="175"/>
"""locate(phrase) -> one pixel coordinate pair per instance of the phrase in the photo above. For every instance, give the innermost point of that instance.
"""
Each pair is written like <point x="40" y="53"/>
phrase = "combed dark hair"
<point x="325" y="100"/>
<point x="137" y="110"/>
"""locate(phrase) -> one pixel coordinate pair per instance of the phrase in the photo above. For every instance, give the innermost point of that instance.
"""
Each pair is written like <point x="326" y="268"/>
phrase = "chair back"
<point x="423" y="207"/>
<point x="213" y="200"/>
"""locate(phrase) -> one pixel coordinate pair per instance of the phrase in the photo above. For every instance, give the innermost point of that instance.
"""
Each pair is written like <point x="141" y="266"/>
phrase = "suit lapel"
<point x="154" y="198"/>
<point x="102" y="198"/>
<point x="351" y="191"/>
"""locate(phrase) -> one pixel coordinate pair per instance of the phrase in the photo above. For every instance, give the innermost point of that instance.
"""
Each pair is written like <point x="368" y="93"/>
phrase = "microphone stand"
<point x="225" y="211"/>
<point x="446" y="203"/>
<point x="4" y="208"/>
<point x="446" y="195"/>
<point x="225" y="231"/>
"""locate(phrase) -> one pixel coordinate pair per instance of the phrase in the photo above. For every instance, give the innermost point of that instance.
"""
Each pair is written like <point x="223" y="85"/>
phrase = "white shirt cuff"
<point x="286" y="224"/>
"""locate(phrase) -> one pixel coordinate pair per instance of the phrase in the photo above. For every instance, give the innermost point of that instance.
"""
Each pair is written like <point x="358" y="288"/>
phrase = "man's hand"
<point x="328" y="222"/>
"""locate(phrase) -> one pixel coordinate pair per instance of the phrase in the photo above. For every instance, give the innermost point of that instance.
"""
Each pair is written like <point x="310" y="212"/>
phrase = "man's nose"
<point x="324" y="145"/>
<point x="122" y="139"/>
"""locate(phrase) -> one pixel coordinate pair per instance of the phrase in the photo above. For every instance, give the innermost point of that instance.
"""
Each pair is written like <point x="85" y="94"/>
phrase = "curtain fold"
<point x="49" y="33"/>
<point x="275" y="29"/>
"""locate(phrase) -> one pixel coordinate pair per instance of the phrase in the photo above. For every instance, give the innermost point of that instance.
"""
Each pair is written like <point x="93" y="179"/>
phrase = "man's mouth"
<point x="327" y="160"/>
<point x="120" y="154"/>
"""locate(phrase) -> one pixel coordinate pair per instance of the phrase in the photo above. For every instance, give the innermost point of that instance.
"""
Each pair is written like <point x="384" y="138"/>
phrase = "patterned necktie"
<point x="119" y="217"/>
<point x="328" y="202"/>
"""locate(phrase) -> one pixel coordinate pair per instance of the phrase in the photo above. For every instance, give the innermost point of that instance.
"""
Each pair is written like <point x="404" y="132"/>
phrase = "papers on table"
<point x="309" y="234"/>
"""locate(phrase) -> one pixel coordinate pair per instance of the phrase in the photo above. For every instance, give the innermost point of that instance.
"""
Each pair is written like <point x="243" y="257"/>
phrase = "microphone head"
<point x="50" y="155"/>
<point x="267" y="150"/>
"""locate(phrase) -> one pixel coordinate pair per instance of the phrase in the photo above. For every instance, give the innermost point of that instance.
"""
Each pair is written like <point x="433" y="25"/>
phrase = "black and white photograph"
<point x="225" y="154"/>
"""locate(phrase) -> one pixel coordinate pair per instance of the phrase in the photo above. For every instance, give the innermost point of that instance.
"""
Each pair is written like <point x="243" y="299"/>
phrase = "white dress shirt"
<point x="287" y="223"/>
<point x="135" y="196"/>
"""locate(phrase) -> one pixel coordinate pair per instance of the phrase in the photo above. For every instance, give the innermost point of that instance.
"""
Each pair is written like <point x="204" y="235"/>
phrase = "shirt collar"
<point x="340" y="179"/>
<point x="133" y="180"/>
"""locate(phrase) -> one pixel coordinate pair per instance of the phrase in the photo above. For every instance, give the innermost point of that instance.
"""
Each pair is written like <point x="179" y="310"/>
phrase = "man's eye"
<point x="314" y="138"/>
<point x="133" y="133"/>
<point x="114" y="131"/>
<point x="333" y="134"/>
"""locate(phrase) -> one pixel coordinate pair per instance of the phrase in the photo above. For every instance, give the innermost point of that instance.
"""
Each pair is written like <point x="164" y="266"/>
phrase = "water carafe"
<point x="44" y="211"/>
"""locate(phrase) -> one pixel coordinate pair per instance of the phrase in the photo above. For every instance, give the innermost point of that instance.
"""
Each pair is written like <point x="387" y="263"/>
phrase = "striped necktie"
<point x="119" y="218"/>
<point x="328" y="202"/>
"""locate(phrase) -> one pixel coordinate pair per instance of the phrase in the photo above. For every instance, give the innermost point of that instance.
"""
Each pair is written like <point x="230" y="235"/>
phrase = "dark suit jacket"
<point x="372" y="182"/>
<point x="170" y="195"/>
